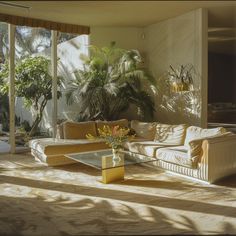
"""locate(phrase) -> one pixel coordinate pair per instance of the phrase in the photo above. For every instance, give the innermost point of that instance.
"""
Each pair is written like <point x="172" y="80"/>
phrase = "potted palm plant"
<point x="110" y="81"/>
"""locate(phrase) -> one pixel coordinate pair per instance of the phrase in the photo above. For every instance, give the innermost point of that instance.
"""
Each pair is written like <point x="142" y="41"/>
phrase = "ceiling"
<point x="120" y="13"/>
<point x="222" y="15"/>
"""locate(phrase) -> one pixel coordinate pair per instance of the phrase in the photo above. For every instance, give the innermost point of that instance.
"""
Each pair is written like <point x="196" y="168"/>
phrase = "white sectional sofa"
<point x="203" y="154"/>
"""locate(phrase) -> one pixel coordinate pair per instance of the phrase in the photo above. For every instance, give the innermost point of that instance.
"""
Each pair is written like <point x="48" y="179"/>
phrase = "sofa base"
<point x="175" y="173"/>
<point x="200" y="174"/>
<point x="52" y="160"/>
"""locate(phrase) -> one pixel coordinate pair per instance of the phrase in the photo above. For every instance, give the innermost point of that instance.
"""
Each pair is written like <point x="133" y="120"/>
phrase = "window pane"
<point x="33" y="84"/>
<point x="70" y="48"/>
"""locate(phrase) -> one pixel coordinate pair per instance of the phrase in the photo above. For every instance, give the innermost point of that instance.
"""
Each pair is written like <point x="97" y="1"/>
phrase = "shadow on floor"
<point x="229" y="181"/>
<point x="132" y="197"/>
<point x="85" y="217"/>
<point x="79" y="168"/>
<point x="90" y="216"/>
<point x="76" y="168"/>
<point x="147" y="183"/>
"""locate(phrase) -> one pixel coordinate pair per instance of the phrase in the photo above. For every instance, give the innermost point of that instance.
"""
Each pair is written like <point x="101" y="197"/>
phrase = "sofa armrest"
<point x="195" y="147"/>
<point x="228" y="136"/>
<point x="218" y="157"/>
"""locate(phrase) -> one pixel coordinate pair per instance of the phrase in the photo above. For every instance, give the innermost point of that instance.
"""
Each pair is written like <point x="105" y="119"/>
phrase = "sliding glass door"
<point x="42" y="65"/>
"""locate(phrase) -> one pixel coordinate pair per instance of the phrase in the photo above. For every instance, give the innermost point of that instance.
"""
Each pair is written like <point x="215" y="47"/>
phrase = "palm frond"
<point x="110" y="81"/>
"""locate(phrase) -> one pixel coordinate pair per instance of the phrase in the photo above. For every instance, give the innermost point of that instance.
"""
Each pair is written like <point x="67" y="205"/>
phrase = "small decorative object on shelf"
<point x="181" y="78"/>
<point x="113" y="136"/>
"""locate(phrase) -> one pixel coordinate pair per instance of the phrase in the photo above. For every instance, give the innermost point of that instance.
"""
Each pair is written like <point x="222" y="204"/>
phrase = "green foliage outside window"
<point x="33" y="83"/>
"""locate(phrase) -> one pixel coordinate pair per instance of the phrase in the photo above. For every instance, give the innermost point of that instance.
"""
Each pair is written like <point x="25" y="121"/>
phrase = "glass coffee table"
<point x="112" y="167"/>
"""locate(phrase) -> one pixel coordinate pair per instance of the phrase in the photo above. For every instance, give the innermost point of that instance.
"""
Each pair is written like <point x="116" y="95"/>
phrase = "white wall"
<point x="176" y="41"/>
<point x="125" y="37"/>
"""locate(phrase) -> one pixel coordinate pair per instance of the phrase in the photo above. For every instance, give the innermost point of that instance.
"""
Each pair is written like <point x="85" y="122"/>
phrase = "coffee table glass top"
<point x="103" y="159"/>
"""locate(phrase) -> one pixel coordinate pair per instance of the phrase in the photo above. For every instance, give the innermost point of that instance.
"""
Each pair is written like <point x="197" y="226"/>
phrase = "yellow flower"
<point x="113" y="136"/>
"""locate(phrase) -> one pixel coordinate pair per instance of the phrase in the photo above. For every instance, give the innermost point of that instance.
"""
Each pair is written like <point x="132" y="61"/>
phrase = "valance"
<point x="32" y="22"/>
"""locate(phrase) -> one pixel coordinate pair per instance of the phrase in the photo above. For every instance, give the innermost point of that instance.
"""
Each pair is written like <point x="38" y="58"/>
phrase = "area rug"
<point x="71" y="200"/>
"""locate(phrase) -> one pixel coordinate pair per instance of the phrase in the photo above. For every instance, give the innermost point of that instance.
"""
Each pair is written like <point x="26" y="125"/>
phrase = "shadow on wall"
<point x="176" y="107"/>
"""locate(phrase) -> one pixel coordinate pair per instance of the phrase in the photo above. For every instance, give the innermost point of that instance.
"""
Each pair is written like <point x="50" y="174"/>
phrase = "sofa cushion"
<point x="144" y="129"/>
<point x="170" y="134"/>
<point x="50" y="146"/>
<point x="176" y="155"/>
<point x="194" y="132"/>
<point x="122" y="123"/>
<point x="78" y="130"/>
<point x="142" y="146"/>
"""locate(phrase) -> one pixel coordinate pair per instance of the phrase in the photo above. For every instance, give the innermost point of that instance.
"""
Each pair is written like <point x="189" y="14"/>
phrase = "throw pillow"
<point x="78" y="130"/>
<point x="170" y="134"/>
<point x="194" y="132"/>
<point x="122" y="123"/>
<point x="195" y="150"/>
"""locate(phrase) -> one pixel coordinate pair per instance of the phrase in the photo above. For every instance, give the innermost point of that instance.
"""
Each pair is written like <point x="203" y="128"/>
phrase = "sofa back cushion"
<point x="78" y="130"/>
<point x="144" y="129"/>
<point x="170" y="134"/>
<point x="122" y="123"/>
<point x="194" y="132"/>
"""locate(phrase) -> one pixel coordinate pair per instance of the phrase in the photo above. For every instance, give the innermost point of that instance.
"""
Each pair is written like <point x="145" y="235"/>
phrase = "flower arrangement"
<point x="113" y="136"/>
